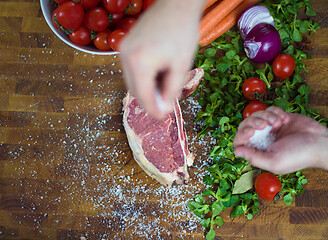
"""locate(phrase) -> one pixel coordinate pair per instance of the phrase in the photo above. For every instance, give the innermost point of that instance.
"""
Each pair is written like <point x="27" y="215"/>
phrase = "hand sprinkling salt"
<point x="262" y="138"/>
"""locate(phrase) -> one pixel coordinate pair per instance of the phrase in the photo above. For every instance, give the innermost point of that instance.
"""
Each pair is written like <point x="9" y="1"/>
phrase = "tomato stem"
<point x="67" y="31"/>
<point x="278" y="197"/>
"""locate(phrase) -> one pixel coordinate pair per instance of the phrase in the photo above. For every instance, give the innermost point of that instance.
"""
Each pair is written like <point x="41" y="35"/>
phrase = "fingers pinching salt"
<point x="262" y="138"/>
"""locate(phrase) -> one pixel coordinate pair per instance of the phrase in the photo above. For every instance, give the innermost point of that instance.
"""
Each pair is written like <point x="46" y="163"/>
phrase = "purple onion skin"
<point x="262" y="43"/>
<point x="253" y="16"/>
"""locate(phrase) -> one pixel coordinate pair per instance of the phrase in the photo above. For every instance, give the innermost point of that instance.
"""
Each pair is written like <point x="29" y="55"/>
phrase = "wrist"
<point x="323" y="151"/>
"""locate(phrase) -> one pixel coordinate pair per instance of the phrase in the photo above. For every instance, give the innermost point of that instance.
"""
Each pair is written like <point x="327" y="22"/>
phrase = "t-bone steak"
<point x="160" y="147"/>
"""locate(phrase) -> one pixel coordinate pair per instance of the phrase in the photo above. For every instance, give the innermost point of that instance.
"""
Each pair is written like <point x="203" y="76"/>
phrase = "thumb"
<point x="174" y="82"/>
<point x="144" y="89"/>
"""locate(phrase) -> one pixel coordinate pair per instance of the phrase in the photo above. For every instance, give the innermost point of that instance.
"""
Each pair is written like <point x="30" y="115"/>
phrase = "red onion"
<point x="253" y="16"/>
<point x="262" y="43"/>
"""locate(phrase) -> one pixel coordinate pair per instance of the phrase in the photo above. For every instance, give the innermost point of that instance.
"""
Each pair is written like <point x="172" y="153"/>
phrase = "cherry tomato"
<point x="283" y="66"/>
<point x="115" y="38"/>
<point x="53" y="18"/>
<point x="70" y="15"/>
<point x="81" y="36"/>
<point x="114" y="18"/>
<point x="267" y="186"/>
<point x="147" y="4"/>
<point x="126" y="23"/>
<point x="96" y="19"/>
<point x="134" y="7"/>
<point x="254" y="89"/>
<point x="115" y="6"/>
<point x="87" y="4"/>
<point x="253" y="107"/>
<point x="101" y="40"/>
<point x="60" y="2"/>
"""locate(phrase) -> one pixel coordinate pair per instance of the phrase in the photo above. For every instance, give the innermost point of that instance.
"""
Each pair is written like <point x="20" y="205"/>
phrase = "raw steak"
<point x="160" y="147"/>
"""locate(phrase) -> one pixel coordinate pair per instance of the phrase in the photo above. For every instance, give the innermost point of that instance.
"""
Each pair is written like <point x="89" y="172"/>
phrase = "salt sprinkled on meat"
<point x="262" y="138"/>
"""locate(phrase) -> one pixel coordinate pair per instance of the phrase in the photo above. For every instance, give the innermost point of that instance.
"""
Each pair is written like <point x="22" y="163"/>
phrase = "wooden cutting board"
<point x="66" y="171"/>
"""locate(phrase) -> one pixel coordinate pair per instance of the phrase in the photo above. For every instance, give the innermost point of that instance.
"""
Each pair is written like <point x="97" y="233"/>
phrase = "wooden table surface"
<point x="66" y="171"/>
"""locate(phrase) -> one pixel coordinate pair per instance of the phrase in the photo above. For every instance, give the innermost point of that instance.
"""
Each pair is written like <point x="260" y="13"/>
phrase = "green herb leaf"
<point x="237" y="211"/>
<point x="225" y="69"/>
<point x="210" y="235"/>
<point x="205" y="222"/>
<point x="310" y="12"/>
<point x="218" y="221"/>
<point x="249" y="216"/>
<point x="288" y="199"/>
<point x="297" y="36"/>
<point x="216" y="208"/>
<point x="210" y="52"/>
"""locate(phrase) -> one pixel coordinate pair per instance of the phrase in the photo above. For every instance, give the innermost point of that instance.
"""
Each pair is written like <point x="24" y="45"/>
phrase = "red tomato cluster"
<point x="101" y="22"/>
<point x="254" y="90"/>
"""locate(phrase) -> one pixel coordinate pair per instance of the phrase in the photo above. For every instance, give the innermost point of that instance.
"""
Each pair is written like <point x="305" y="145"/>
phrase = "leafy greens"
<point x="226" y="67"/>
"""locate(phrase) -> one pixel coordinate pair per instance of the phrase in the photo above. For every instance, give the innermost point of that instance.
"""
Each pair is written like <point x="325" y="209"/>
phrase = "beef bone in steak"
<point x="160" y="147"/>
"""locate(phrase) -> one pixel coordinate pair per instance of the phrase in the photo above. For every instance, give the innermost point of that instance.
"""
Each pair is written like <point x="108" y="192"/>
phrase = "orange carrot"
<point x="210" y="8"/>
<point x="211" y="19"/>
<point x="209" y="3"/>
<point x="228" y="22"/>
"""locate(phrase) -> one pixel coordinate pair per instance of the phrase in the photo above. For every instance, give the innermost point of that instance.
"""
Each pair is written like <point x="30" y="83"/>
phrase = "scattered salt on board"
<point x="262" y="138"/>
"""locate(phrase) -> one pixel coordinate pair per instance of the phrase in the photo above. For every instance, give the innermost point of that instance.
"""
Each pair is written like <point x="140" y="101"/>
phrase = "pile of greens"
<point x="229" y="179"/>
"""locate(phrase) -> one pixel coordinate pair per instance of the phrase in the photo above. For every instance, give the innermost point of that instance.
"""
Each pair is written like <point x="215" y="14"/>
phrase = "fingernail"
<point x="258" y="122"/>
<point x="160" y="102"/>
<point x="246" y="129"/>
<point x="272" y="119"/>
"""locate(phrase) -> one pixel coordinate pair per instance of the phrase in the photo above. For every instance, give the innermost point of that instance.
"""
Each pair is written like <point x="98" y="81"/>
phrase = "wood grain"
<point x="66" y="170"/>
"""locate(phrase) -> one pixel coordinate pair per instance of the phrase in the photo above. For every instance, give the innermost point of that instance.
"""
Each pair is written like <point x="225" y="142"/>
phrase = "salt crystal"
<point x="262" y="138"/>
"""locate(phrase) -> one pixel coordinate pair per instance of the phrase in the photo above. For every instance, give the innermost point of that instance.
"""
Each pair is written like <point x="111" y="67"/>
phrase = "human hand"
<point x="300" y="143"/>
<point x="158" y="52"/>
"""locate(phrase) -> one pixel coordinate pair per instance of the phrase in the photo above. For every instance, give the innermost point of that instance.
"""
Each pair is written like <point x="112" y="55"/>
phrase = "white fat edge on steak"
<point x="188" y="156"/>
